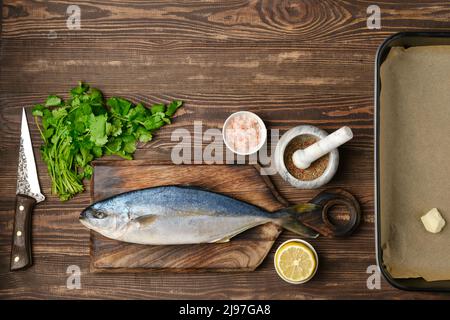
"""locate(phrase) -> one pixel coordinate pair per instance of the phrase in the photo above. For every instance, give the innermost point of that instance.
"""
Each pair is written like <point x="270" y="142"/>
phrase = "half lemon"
<point x="296" y="261"/>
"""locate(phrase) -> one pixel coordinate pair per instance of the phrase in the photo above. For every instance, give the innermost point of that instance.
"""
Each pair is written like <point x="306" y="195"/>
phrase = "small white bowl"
<point x="263" y="132"/>
<point x="310" y="247"/>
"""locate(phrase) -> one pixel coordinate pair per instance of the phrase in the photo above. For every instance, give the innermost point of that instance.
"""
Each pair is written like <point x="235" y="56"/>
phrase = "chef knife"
<point x="27" y="195"/>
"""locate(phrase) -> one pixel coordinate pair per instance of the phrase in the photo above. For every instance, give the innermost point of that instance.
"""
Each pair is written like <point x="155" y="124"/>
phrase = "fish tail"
<point x="288" y="219"/>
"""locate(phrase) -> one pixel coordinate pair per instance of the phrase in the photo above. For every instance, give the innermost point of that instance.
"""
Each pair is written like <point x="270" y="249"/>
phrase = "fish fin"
<point x="145" y="220"/>
<point x="223" y="240"/>
<point x="288" y="218"/>
<point x="228" y="237"/>
<point x="189" y="186"/>
<point x="302" y="208"/>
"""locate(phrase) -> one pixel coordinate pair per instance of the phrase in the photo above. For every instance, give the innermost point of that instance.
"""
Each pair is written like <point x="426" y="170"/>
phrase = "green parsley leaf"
<point x="119" y="106"/>
<point x="143" y="134"/>
<point x="157" y="108"/>
<point x="53" y="101"/>
<point x="59" y="113"/>
<point x="97" y="127"/>
<point x="173" y="107"/>
<point x="38" y="110"/>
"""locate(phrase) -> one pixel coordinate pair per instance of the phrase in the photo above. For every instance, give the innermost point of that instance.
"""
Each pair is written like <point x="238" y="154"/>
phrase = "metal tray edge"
<point x="377" y="90"/>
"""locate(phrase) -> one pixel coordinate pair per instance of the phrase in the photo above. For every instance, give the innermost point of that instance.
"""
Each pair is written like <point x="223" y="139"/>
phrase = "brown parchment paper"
<point x="415" y="160"/>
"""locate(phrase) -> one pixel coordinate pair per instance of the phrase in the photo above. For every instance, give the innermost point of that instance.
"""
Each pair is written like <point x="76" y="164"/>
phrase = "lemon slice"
<point x="295" y="262"/>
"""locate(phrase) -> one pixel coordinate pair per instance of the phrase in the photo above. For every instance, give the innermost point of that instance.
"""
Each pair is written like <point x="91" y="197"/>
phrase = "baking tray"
<point x="403" y="39"/>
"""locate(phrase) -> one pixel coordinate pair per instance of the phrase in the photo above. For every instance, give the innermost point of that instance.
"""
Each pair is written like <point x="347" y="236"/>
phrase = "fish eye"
<point x="99" y="214"/>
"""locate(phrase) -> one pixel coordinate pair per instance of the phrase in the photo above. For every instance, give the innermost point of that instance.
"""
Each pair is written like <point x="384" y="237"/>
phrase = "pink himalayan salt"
<point x="243" y="133"/>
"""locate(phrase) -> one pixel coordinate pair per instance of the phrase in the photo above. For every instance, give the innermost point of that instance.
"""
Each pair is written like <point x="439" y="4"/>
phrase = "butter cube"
<point x="433" y="221"/>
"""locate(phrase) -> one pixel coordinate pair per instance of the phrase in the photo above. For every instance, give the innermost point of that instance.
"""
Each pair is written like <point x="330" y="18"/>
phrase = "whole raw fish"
<point x="183" y="215"/>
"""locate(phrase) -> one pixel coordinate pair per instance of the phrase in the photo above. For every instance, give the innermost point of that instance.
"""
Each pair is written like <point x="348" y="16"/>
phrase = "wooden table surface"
<point x="292" y="62"/>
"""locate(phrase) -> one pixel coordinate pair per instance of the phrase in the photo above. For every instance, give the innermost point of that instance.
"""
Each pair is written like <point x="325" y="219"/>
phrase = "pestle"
<point x="303" y="158"/>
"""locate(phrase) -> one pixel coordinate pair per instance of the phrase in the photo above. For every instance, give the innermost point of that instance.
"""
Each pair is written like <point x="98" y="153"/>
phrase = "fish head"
<point x="102" y="219"/>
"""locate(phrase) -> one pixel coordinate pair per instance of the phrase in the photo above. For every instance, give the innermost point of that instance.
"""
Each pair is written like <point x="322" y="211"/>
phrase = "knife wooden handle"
<point x="21" y="243"/>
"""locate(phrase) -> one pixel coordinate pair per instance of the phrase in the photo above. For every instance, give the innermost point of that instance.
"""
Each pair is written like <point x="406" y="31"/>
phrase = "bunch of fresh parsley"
<point x="84" y="128"/>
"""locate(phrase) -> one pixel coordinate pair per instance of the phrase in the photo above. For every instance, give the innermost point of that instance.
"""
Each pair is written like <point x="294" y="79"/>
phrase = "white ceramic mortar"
<point x="278" y="158"/>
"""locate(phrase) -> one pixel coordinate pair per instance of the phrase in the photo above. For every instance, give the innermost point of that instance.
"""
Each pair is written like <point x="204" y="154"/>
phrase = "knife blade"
<point x="28" y="193"/>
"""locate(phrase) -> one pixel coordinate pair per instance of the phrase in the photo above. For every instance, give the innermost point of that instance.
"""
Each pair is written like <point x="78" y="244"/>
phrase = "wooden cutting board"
<point x="243" y="253"/>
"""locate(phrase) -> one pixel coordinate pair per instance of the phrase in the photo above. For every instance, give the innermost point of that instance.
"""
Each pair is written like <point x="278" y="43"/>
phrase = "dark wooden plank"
<point x="325" y="21"/>
<point x="292" y="62"/>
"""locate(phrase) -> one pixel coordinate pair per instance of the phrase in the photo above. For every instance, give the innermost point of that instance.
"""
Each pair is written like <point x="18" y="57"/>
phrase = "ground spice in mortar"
<point x="315" y="170"/>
